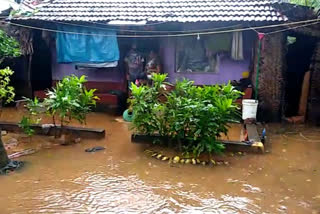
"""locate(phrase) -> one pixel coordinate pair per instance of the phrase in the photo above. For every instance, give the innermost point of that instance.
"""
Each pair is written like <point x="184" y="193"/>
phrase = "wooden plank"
<point x="50" y="129"/>
<point x="230" y="145"/>
<point x="253" y="133"/>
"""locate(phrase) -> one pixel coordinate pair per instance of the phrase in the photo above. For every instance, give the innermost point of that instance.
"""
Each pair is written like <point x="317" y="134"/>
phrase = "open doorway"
<point x="300" y="50"/>
<point x="41" y="63"/>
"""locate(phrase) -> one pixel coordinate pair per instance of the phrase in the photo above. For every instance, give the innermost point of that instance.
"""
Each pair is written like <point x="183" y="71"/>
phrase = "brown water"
<point x="122" y="179"/>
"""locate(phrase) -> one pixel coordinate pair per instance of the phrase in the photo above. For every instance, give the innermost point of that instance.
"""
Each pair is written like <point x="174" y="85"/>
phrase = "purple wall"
<point x="60" y="70"/>
<point x="229" y="69"/>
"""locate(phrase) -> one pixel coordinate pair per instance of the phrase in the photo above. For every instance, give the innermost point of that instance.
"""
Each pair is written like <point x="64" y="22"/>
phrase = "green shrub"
<point x="6" y="91"/>
<point x="148" y="110"/>
<point x="192" y="116"/>
<point x="9" y="47"/>
<point x="67" y="101"/>
<point x="70" y="99"/>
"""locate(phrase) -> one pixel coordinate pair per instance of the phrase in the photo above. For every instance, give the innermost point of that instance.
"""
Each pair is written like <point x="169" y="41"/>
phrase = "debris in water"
<point x="282" y="207"/>
<point x="22" y="153"/>
<point x="11" y="166"/>
<point x="11" y="143"/>
<point x="251" y="189"/>
<point x="230" y="180"/>
<point x="77" y="140"/>
<point x="95" y="149"/>
<point x="316" y="197"/>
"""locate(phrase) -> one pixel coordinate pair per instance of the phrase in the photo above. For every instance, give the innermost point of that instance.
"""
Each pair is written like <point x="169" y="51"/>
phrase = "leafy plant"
<point x="25" y="124"/>
<point x="9" y="47"/>
<point x="192" y="116"/>
<point x="6" y="91"/>
<point x="148" y="111"/>
<point x="35" y="107"/>
<point x="309" y="3"/>
<point x="315" y="4"/>
<point x="68" y="100"/>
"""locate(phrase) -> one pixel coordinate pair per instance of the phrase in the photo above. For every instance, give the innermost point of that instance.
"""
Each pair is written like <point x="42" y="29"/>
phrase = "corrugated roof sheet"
<point x="159" y="10"/>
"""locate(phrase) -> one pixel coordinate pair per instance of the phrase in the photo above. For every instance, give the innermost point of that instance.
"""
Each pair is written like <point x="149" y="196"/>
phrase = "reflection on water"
<point x="122" y="179"/>
<point x="130" y="194"/>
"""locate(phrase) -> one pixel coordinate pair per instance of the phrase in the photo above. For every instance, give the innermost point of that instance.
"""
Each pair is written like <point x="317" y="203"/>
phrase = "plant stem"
<point x="209" y="157"/>
<point x="61" y="130"/>
<point x="55" y="126"/>
<point x="179" y="145"/>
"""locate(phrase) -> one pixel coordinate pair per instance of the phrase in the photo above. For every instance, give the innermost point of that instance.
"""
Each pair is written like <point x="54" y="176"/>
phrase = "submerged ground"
<point x="122" y="179"/>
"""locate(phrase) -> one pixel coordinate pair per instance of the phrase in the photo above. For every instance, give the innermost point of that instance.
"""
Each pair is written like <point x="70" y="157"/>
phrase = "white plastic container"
<point x="249" y="109"/>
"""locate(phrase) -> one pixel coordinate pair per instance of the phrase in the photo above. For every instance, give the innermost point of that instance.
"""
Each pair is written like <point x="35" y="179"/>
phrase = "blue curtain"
<point x="96" y="48"/>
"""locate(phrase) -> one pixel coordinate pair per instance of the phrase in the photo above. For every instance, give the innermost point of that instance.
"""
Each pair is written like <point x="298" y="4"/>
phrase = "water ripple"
<point x="98" y="193"/>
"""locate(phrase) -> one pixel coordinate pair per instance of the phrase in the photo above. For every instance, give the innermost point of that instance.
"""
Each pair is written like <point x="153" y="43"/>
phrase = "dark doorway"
<point x="41" y="63"/>
<point x="300" y="51"/>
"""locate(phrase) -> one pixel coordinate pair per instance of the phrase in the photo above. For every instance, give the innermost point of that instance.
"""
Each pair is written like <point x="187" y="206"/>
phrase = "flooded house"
<point x="209" y="42"/>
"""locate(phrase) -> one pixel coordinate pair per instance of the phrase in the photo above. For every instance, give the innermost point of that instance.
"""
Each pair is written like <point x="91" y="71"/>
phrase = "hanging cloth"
<point x="217" y="65"/>
<point x="237" y="46"/>
<point x="86" y="45"/>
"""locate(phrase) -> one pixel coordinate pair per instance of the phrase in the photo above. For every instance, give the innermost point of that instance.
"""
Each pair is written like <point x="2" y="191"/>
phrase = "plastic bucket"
<point x="249" y="109"/>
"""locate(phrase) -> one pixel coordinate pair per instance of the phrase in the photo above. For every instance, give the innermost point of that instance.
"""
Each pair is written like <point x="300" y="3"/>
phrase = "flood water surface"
<point x="123" y="179"/>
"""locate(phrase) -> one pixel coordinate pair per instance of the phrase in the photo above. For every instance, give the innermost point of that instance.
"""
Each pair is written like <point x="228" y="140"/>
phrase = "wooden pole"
<point x="29" y="72"/>
<point x="304" y="95"/>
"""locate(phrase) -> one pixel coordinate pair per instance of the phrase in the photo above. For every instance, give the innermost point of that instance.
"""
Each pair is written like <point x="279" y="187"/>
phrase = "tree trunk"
<point x="4" y="160"/>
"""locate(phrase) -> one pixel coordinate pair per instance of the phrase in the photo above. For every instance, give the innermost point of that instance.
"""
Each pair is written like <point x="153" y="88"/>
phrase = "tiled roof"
<point x="159" y="10"/>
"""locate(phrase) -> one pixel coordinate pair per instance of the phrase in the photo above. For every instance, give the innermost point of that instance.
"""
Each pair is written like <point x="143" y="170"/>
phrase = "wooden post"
<point x="29" y="72"/>
<point x="304" y="95"/>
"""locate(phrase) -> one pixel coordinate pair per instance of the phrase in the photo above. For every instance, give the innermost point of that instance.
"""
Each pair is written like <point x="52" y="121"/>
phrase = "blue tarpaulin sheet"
<point x="96" y="48"/>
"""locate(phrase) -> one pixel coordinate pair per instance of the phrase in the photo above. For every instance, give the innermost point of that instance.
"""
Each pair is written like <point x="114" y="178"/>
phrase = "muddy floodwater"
<point x="123" y="179"/>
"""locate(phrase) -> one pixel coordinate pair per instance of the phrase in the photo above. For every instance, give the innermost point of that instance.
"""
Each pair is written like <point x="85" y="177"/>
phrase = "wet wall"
<point x="229" y="69"/>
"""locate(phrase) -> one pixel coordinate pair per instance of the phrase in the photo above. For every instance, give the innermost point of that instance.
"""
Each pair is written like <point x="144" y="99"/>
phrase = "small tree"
<point x="9" y="47"/>
<point x="67" y="101"/>
<point x="70" y="100"/>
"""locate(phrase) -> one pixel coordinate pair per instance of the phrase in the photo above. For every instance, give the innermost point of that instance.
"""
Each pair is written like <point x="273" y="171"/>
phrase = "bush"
<point x="6" y="91"/>
<point x="194" y="117"/>
<point x="9" y="47"/>
<point x="67" y="101"/>
<point x="70" y="99"/>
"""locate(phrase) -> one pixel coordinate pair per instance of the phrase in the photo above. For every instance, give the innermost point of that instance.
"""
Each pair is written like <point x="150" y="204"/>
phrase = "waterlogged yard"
<point x="123" y="179"/>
